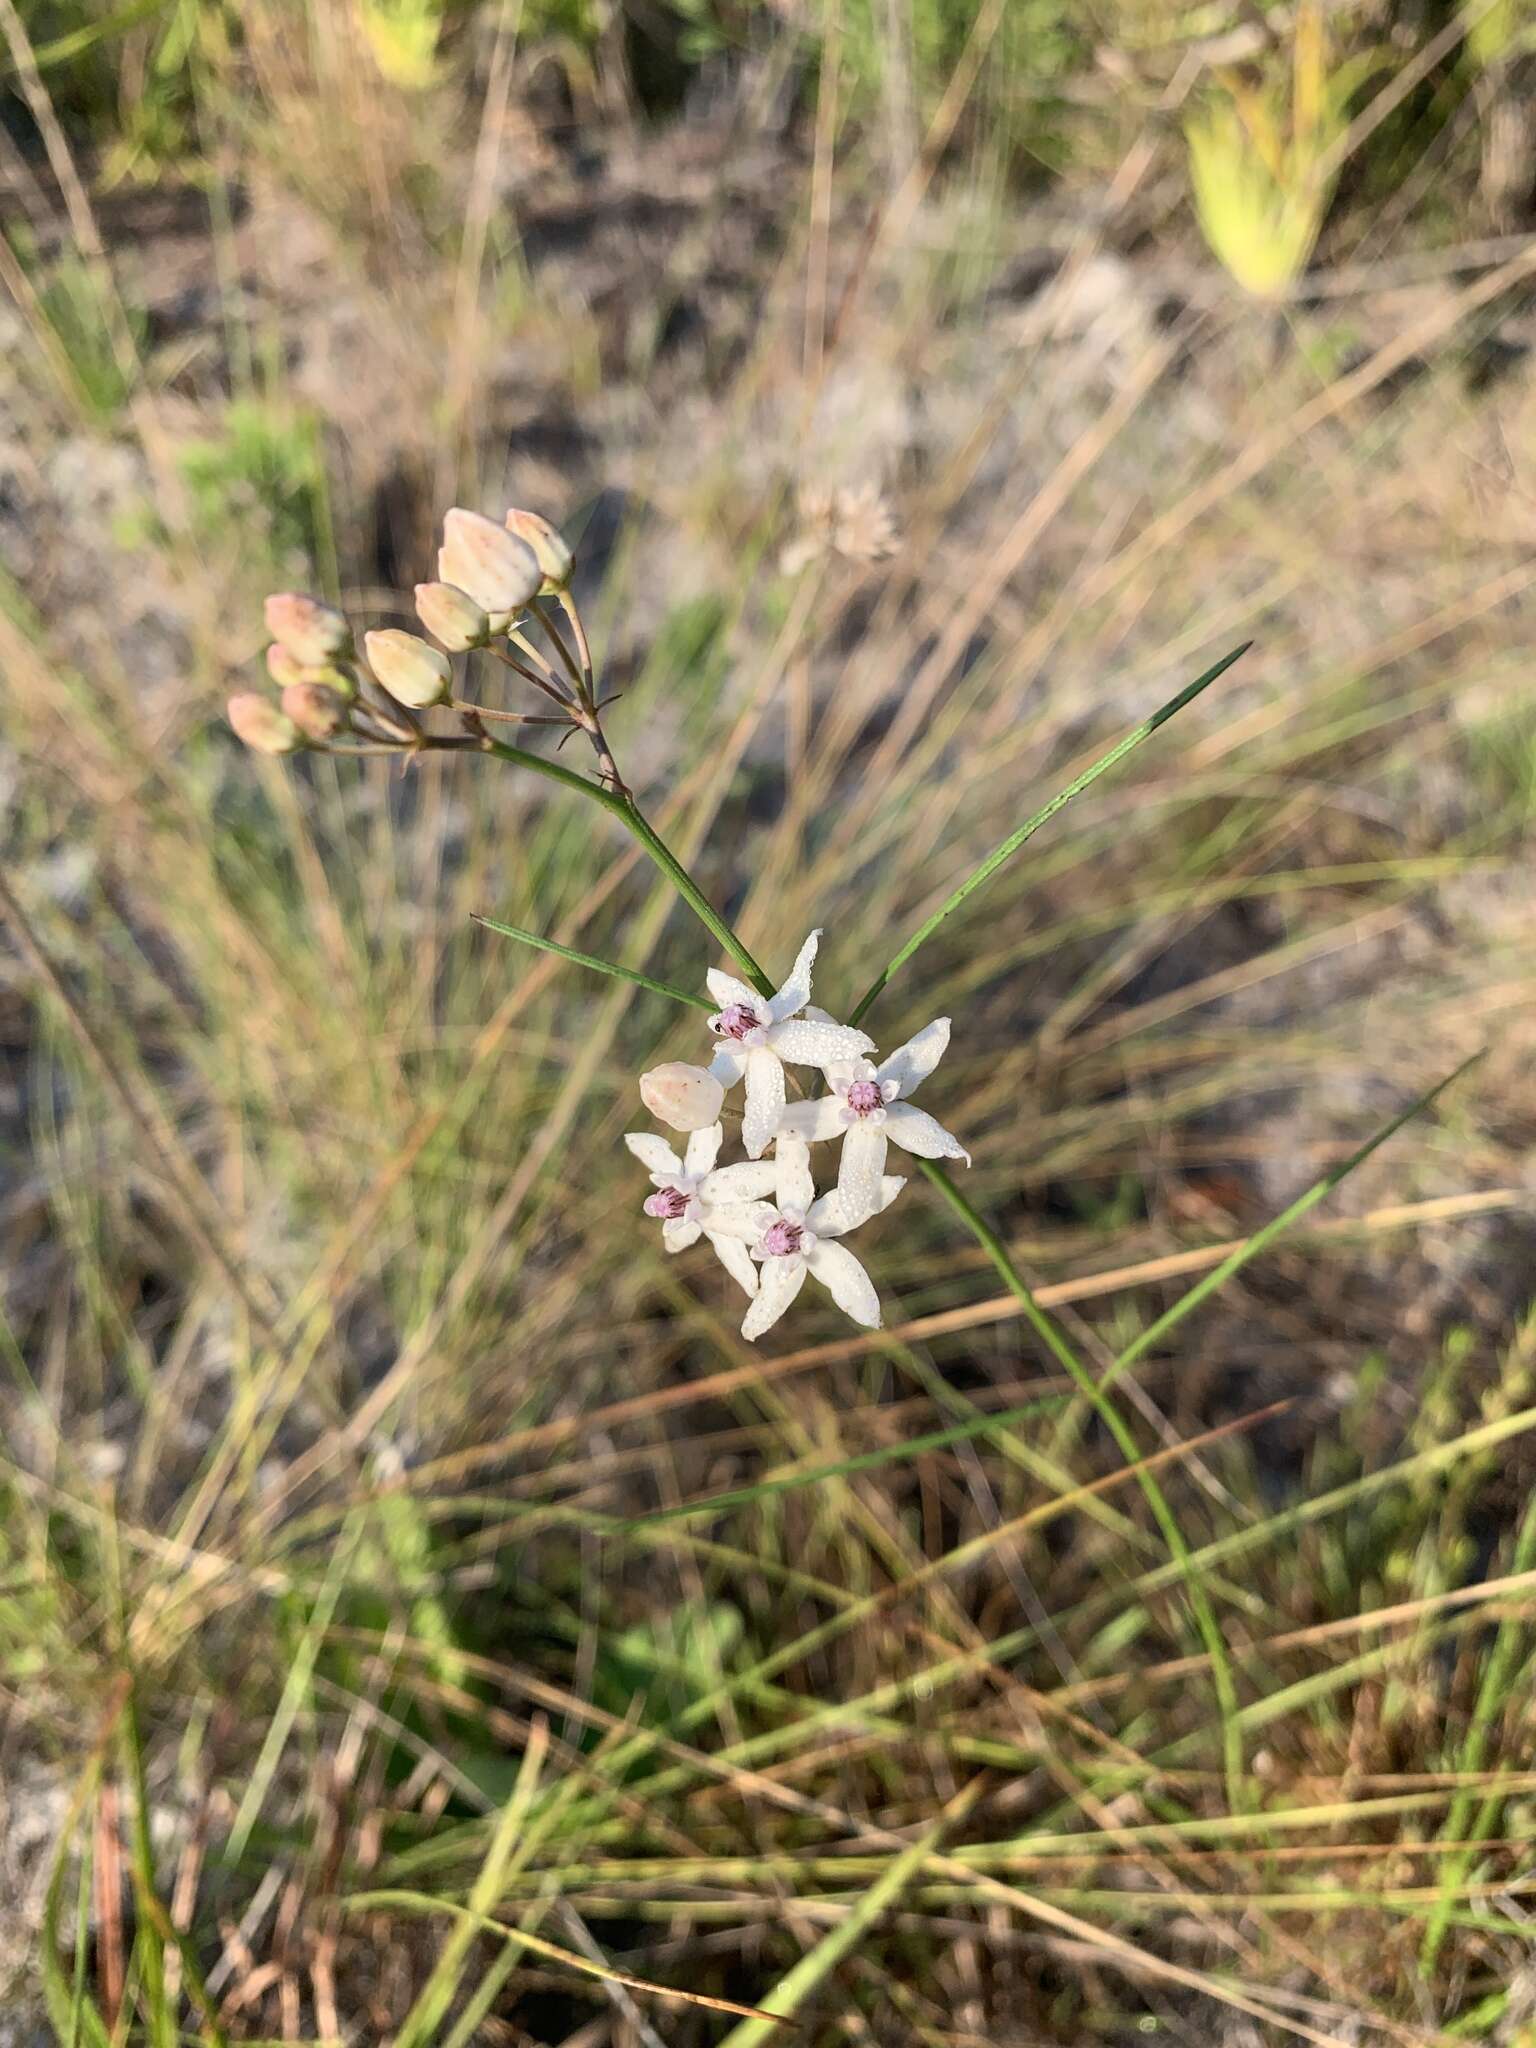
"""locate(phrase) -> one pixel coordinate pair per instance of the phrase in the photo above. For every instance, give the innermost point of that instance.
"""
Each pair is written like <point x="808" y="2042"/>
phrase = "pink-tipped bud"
<point x="258" y="721"/>
<point x="687" y="1098"/>
<point x="451" y="617"/>
<point x="498" y="570"/>
<point x="311" y="631"/>
<point x="411" y="671"/>
<point x="318" y="712"/>
<point x="548" y="544"/>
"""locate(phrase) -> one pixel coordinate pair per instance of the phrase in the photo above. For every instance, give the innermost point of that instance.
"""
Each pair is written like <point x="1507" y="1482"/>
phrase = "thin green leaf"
<point x="1015" y="840"/>
<point x="657" y="988"/>
<point x="1261" y="1239"/>
<point x="792" y="1990"/>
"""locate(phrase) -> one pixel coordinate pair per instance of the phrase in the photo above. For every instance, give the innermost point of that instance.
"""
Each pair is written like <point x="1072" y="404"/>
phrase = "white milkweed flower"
<point x="866" y="1110"/>
<point x="758" y="1034"/>
<point x="795" y="1235"/>
<point x="696" y="1198"/>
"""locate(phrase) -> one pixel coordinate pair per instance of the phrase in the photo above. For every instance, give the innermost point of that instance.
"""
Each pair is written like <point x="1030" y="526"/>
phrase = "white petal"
<point x="703" y="1149"/>
<point x="916" y="1060"/>
<point x="752" y="1180"/>
<point x="726" y="989"/>
<point x="859" y="1168"/>
<point x="922" y="1134"/>
<point x="809" y="1044"/>
<point x="842" y="1074"/>
<point x="796" y="992"/>
<point x="653" y="1152"/>
<point x="736" y="1259"/>
<point x="847" y="1282"/>
<point x="778" y="1284"/>
<point x="830" y="1216"/>
<point x="729" y="1064"/>
<point x="813" y="1121"/>
<point x="765" y="1100"/>
<point x="745" y="1221"/>
<point x="792" y="1173"/>
<point x="677" y="1233"/>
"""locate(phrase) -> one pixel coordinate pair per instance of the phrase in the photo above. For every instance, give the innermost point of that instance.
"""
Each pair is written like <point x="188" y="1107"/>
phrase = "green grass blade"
<point x="1031" y="826"/>
<point x="913" y="1447"/>
<point x="431" y="2007"/>
<point x="792" y="1990"/>
<point x="1222" y="1680"/>
<point x="657" y="988"/>
<point x="1501" y="1675"/>
<point x="1261" y="1240"/>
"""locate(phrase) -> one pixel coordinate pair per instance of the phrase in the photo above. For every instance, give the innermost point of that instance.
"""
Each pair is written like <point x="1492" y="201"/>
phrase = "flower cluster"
<point x="496" y="583"/>
<point x="763" y="1218"/>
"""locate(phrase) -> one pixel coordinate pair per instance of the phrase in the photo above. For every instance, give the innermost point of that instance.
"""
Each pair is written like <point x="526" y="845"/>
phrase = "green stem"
<point x="628" y="812"/>
<point x="1157" y="1500"/>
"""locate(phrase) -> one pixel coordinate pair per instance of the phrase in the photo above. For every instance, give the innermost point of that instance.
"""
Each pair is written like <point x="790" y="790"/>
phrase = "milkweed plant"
<point x="814" y="1089"/>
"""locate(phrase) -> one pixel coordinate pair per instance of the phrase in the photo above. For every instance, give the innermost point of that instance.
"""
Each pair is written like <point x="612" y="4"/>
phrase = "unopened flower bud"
<point x="311" y="631"/>
<point x="687" y="1098"/>
<point x="411" y="671"/>
<point x="451" y="617"/>
<point x="548" y="544"/>
<point x="283" y="665"/>
<point x="259" y="722"/>
<point x="318" y="712"/>
<point x="498" y="570"/>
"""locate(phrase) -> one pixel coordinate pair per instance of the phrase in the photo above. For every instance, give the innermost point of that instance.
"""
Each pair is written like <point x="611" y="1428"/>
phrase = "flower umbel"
<point x="758" y="1034"/>
<point x="867" y="1110"/>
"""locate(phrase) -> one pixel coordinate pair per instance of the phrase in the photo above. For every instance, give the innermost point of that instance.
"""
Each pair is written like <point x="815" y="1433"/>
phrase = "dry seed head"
<point x="688" y="1098"/>
<point x="451" y="617"/>
<point x="548" y="544"/>
<point x="259" y="722"/>
<point x="498" y="570"/>
<point x="411" y="671"/>
<point x="318" y="712"/>
<point x="311" y="631"/>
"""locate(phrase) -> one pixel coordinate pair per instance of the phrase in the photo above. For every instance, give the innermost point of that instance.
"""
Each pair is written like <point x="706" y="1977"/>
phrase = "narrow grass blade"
<point x="1222" y="1681"/>
<point x="657" y="988"/>
<point x="867" y="1461"/>
<point x="421" y="2023"/>
<point x="792" y="1990"/>
<point x="1263" y="1238"/>
<point x="1031" y="826"/>
<point x="483" y="1923"/>
<point x="1500" y="1681"/>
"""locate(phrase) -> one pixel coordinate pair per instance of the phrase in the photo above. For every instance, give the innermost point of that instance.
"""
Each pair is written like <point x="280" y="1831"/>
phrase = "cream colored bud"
<point x="498" y="570"/>
<point x="548" y="544"/>
<point x="687" y="1098"/>
<point x="283" y="665"/>
<point x="258" y="721"/>
<point x="318" y="712"/>
<point x="311" y="631"/>
<point x="451" y="617"/>
<point x="411" y="671"/>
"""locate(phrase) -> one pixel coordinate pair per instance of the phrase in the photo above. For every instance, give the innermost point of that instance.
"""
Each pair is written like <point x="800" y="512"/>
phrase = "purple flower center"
<point x="667" y="1203"/>
<point x="736" y="1020"/>
<point x="864" y="1096"/>
<point x="781" y="1239"/>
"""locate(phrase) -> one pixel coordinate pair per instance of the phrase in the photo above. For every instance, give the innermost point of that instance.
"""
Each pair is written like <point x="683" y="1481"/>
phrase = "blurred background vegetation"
<point x="419" y="1613"/>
